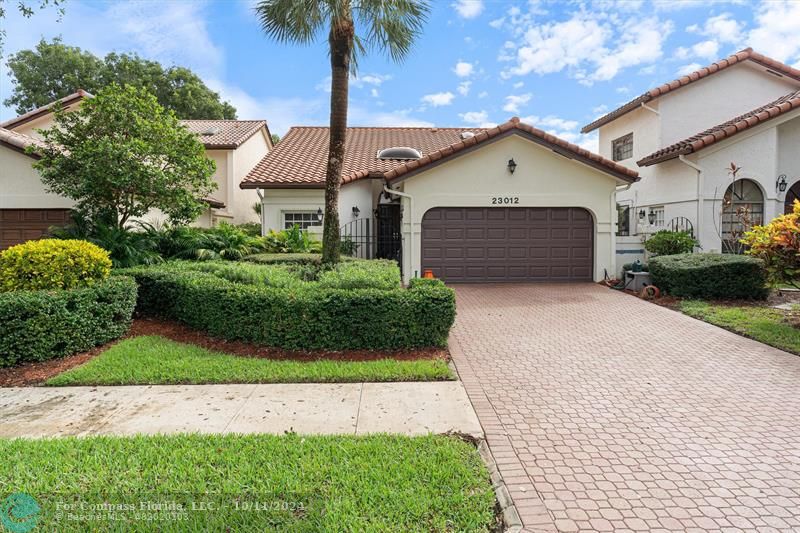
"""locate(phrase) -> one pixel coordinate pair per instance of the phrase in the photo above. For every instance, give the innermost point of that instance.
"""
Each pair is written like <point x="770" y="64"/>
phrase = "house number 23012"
<point x="498" y="200"/>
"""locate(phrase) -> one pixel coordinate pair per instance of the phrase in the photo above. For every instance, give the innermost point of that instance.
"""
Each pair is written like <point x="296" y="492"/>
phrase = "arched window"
<point x="742" y="208"/>
<point x="792" y="195"/>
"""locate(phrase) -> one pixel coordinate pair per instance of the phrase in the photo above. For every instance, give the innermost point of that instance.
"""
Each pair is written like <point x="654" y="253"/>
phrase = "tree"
<point x="121" y="154"/>
<point x="389" y="25"/>
<point x="27" y="9"/>
<point x="53" y="70"/>
<point x="778" y="245"/>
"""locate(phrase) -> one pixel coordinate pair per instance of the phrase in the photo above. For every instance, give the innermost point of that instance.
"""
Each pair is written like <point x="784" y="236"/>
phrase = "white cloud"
<point x="497" y="23"/>
<point x="639" y="43"/>
<point x="724" y="28"/>
<point x="359" y="82"/>
<point x="468" y="9"/>
<point x="463" y="88"/>
<point x="474" y="117"/>
<point x="514" y="102"/>
<point x="463" y="69"/>
<point x="685" y="70"/>
<point x="518" y="85"/>
<point x="706" y="49"/>
<point x="359" y="116"/>
<point x="483" y="94"/>
<point x="564" y="129"/>
<point x="438" y="99"/>
<point x="778" y="29"/>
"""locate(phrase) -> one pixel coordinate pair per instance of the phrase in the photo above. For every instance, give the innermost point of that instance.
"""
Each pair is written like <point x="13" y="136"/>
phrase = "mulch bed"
<point x="37" y="373"/>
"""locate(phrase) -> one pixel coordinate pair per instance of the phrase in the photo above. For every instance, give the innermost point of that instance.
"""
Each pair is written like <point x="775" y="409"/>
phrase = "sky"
<point x="557" y="65"/>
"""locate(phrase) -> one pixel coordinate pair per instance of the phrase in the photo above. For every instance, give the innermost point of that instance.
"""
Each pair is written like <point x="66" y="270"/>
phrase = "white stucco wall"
<point x="542" y="179"/>
<point x="789" y="153"/>
<point x="20" y="185"/>
<point x="42" y="123"/>
<point x="278" y="201"/>
<point x="245" y="157"/>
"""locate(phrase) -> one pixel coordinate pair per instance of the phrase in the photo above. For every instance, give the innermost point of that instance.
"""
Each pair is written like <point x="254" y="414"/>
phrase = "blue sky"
<point x="557" y="65"/>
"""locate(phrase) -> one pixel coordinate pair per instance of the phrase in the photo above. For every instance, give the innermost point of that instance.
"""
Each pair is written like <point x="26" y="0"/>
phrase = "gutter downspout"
<point x="260" y="194"/>
<point x="387" y="190"/>
<point x="700" y="175"/>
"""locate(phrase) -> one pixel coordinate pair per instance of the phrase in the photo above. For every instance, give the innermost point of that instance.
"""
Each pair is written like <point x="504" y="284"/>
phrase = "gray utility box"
<point x="636" y="281"/>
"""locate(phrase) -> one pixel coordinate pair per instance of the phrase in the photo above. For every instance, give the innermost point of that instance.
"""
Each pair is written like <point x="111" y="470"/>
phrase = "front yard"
<point x="252" y="483"/>
<point x="764" y="324"/>
<point x="154" y="360"/>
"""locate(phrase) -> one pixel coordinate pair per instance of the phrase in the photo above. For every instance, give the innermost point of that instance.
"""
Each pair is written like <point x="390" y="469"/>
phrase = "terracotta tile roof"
<point x="725" y="130"/>
<point x="18" y="141"/>
<point x="228" y="134"/>
<point x="745" y="55"/>
<point x="300" y="159"/>
<point x="68" y="100"/>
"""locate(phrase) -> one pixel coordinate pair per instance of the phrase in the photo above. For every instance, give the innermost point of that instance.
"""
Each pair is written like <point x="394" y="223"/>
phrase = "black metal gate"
<point x="377" y="237"/>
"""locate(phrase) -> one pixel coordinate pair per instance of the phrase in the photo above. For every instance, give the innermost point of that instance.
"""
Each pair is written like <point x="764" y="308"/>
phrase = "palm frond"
<point x="391" y="25"/>
<point x="292" y="21"/>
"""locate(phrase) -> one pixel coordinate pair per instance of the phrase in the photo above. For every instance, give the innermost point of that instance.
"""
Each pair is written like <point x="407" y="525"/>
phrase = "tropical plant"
<point x="667" y="242"/>
<point x="290" y="241"/>
<point x="388" y="25"/>
<point x="121" y="154"/>
<point x="129" y="246"/>
<point x="778" y="245"/>
<point x="229" y="242"/>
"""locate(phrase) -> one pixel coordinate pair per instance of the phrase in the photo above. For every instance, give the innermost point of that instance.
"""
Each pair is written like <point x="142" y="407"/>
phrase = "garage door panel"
<point x="508" y="244"/>
<point x="20" y="225"/>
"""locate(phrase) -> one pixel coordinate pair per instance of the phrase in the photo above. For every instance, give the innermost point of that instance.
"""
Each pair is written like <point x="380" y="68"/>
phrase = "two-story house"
<point x="27" y="209"/>
<point x="684" y="136"/>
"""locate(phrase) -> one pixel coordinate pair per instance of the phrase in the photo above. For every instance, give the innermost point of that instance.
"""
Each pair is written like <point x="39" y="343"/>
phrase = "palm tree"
<point x="388" y="25"/>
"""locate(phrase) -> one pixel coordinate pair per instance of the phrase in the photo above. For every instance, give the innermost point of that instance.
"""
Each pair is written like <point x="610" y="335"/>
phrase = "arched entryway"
<point x="792" y="195"/>
<point x="742" y="208"/>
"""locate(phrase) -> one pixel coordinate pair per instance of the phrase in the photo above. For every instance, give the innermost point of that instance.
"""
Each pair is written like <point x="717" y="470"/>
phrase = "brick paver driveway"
<point x="607" y="413"/>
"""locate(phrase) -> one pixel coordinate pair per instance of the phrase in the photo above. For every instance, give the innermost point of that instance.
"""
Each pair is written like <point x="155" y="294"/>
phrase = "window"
<point x="622" y="148"/>
<point x="742" y="208"/>
<point x="304" y="219"/>
<point x="659" y="219"/>
<point x="623" y="220"/>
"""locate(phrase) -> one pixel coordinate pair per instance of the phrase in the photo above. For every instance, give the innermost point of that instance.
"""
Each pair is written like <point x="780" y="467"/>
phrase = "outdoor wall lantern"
<point x="356" y="211"/>
<point x="781" y="183"/>
<point x="319" y="214"/>
<point x="642" y="214"/>
<point x="651" y="217"/>
<point x="512" y="165"/>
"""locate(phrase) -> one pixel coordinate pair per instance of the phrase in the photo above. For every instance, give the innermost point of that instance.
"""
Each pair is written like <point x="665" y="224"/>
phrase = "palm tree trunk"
<point x="341" y="45"/>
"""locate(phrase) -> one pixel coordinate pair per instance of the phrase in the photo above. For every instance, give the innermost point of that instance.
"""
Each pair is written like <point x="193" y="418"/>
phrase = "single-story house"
<point x="27" y="210"/>
<point x="504" y="204"/>
<point x="684" y="135"/>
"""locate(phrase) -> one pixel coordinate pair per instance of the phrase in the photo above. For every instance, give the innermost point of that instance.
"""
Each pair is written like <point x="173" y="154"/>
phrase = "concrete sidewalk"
<point x="352" y="408"/>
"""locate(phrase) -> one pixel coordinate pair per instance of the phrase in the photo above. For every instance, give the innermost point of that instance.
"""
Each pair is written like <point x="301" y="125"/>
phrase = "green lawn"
<point x="152" y="360"/>
<point x="251" y="483"/>
<point x="763" y="324"/>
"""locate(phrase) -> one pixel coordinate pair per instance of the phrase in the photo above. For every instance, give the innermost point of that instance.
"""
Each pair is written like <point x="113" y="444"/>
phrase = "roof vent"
<point x="213" y="130"/>
<point x="399" y="152"/>
<point x="467" y="134"/>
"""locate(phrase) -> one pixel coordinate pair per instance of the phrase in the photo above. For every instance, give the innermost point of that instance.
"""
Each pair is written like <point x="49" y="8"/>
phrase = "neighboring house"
<point x="683" y="137"/>
<point x="509" y="203"/>
<point x="27" y="209"/>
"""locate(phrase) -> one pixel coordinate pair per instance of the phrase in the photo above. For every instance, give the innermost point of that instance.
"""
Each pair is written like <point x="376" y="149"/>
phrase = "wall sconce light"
<point x="642" y="214"/>
<point x="512" y="165"/>
<point x="356" y="211"/>
<point x="651" y="217"/>
<point x="781" y="183"/>
<point x="319" y="214"/>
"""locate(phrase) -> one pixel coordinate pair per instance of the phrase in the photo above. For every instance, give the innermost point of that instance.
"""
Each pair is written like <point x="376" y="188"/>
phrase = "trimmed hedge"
<point x="41" y="325"/>
<point x="286" y="258"/>
<point x="305" y="318"/>
<point x="716" y="276"/>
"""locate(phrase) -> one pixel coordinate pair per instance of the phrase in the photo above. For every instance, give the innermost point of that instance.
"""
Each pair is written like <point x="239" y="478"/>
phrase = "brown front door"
<point x="20" y="225"/>
<point x="508" y="244"/>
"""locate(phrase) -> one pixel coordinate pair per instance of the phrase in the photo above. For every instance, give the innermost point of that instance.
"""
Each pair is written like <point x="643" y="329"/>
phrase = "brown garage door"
<point x="508" y="244"/>
<point x="20" y="225"/>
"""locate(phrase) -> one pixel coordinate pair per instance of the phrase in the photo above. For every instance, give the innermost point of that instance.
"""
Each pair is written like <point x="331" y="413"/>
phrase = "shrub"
<point x="299" y="318"/>
<point x="723" y="276"/>
<point x="129" y="246"/>
<point x="291" y="241"/>
<point x="375" y="274"/>
<point x="52" y="264"/>
<point x="778" y="245"/>
<point x="666" y="242"/>
<point x="41" y="325"/>
<point x="279" y="258"/>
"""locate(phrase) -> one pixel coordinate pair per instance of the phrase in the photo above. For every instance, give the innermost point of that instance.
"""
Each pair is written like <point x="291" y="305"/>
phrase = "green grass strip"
<point x="251" y="483"/>
<point x="153" y="360"/>
<point x="763" y="324"/>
